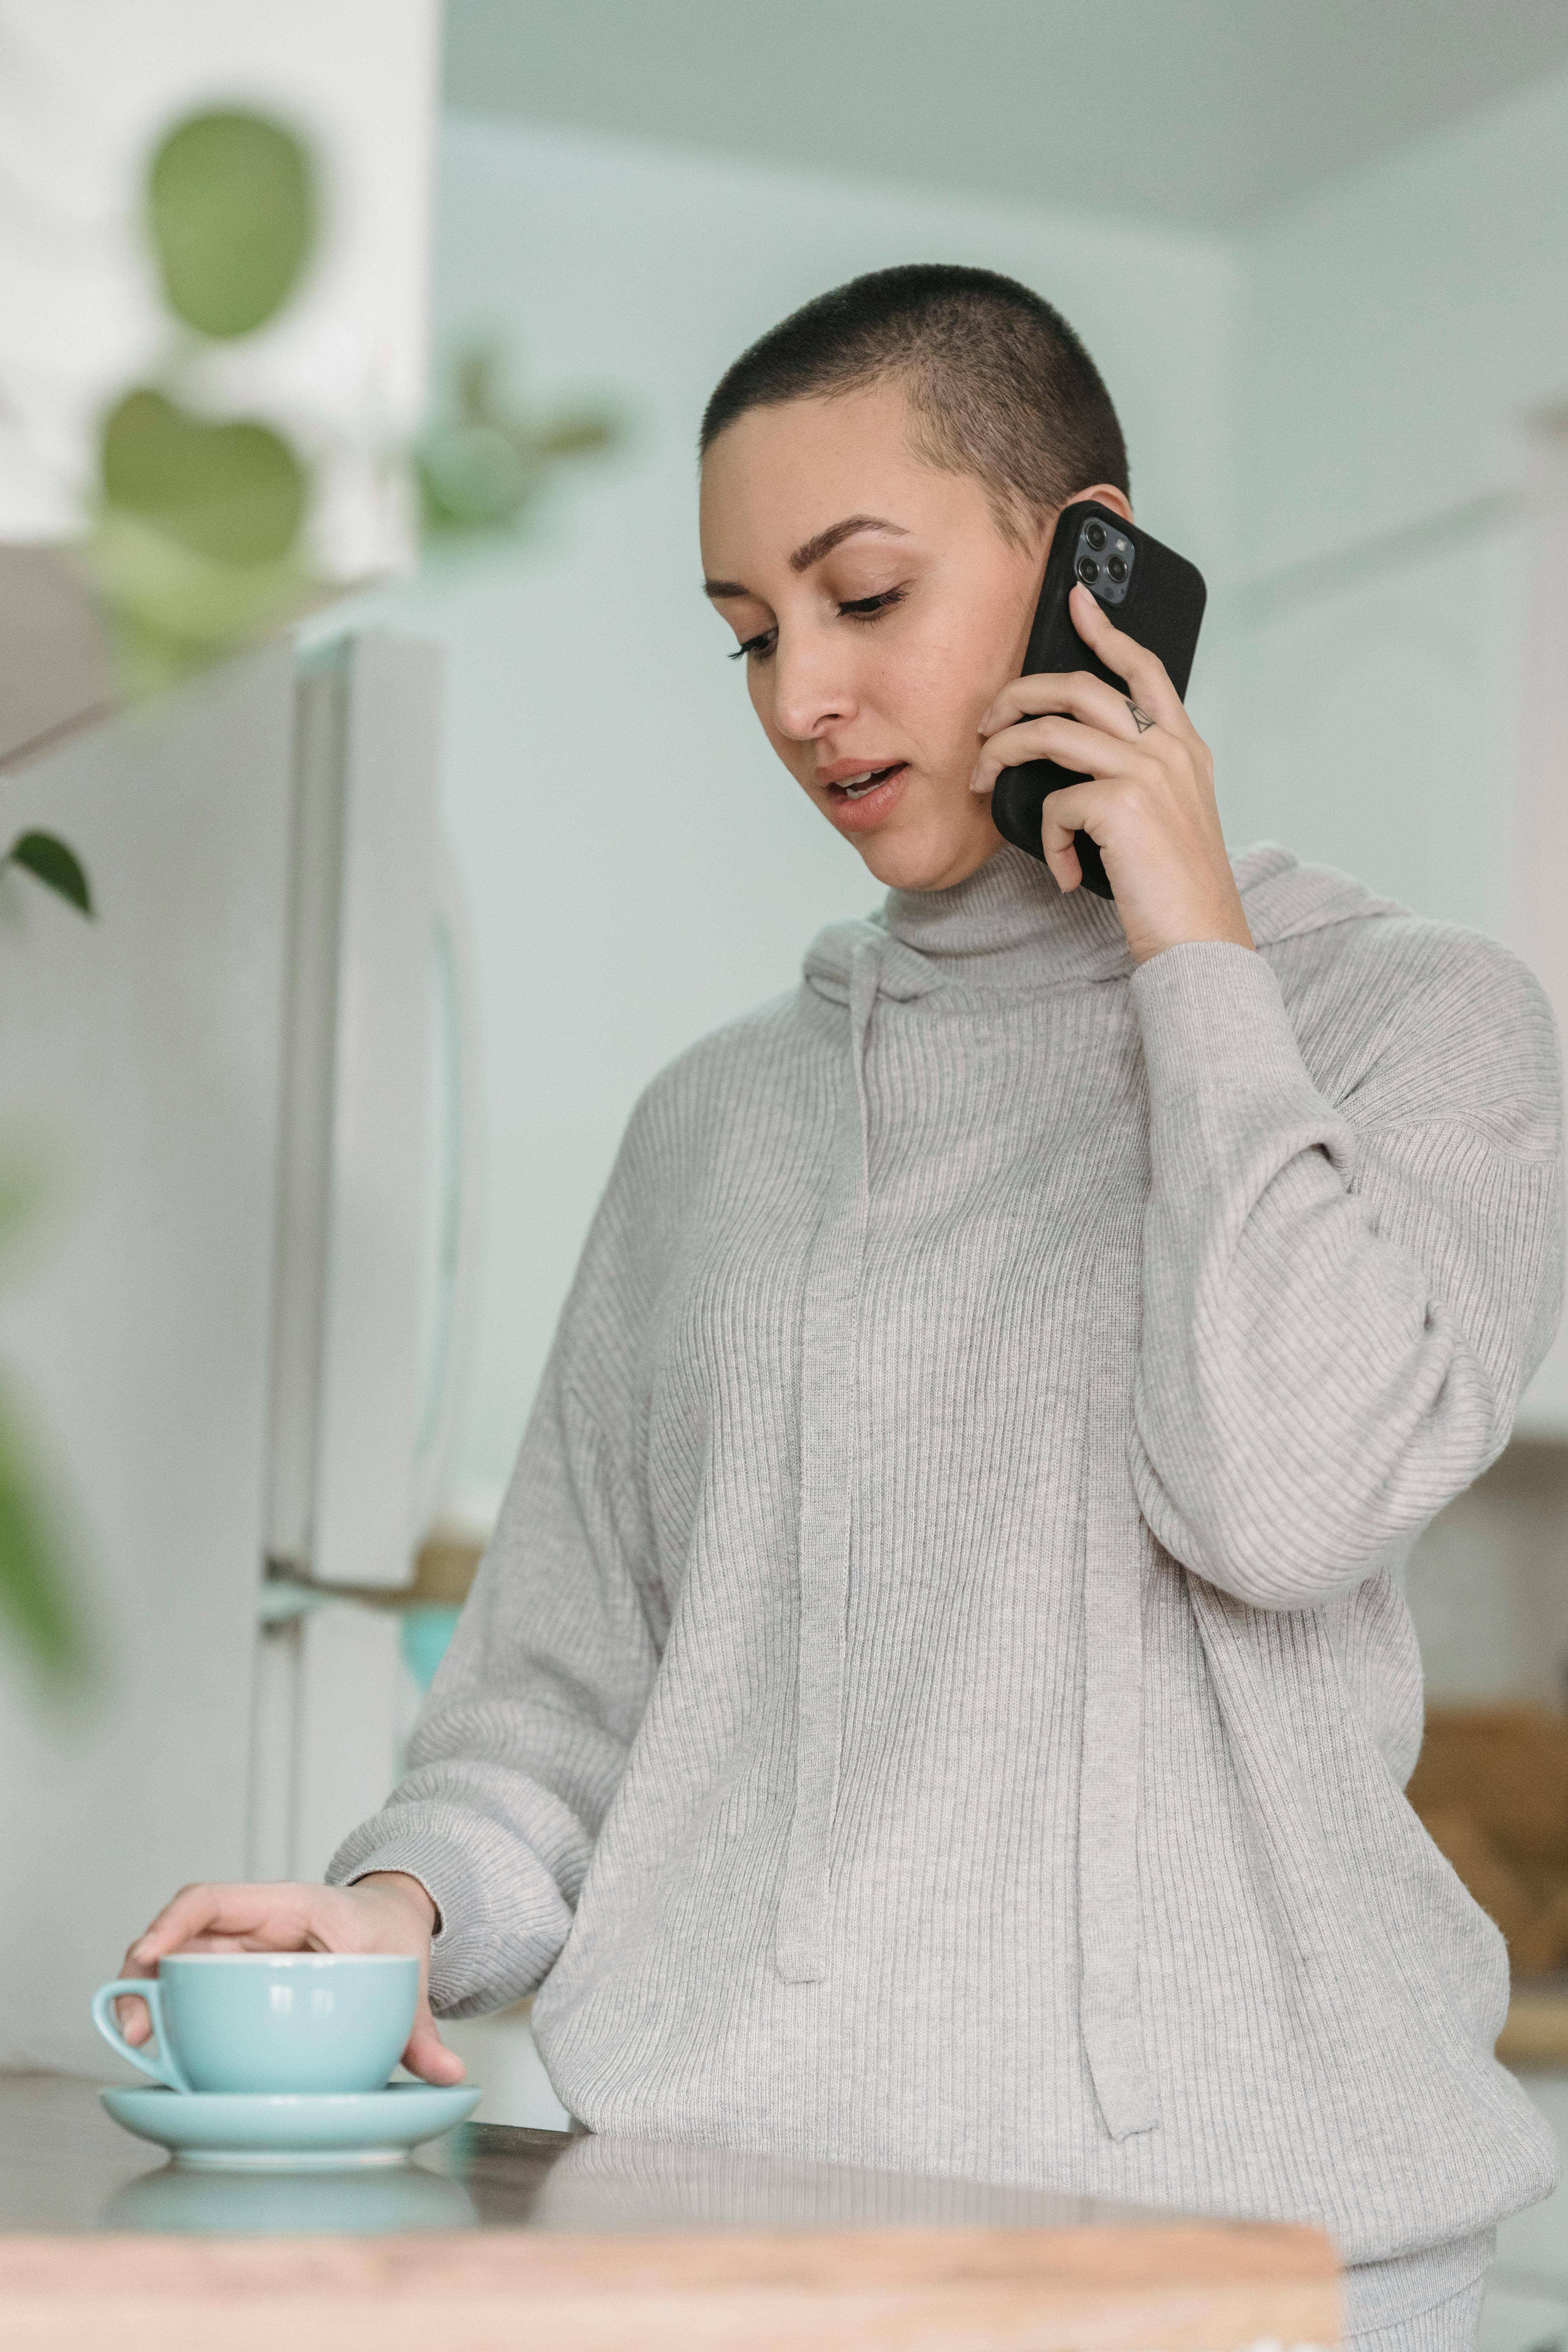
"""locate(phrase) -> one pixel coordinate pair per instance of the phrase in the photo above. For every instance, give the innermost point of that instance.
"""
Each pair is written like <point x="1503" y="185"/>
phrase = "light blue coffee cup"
<point x="271" y="2021"/>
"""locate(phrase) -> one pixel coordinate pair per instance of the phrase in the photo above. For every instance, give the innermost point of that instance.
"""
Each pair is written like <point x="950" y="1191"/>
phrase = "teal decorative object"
<point x="423" y="1638"/>
<point x="484" y="459"/>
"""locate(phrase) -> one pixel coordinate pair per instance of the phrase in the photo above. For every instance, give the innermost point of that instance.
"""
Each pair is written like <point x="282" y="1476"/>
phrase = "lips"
<point x="859" y="797"/>
<point x="854" y="777"/>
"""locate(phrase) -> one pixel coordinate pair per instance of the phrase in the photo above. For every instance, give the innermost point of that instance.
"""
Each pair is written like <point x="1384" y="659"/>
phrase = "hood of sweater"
<point x="1009" y="926"/>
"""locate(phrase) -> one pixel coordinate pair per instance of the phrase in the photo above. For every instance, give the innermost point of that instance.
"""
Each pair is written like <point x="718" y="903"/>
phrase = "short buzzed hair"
<point x="998" y="385"/>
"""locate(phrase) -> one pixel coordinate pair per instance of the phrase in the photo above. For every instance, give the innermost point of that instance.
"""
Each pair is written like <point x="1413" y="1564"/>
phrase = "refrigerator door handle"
<point x="456" y="1078"/>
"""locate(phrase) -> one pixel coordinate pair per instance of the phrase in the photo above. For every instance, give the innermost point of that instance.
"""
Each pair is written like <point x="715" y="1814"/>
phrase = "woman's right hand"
<point x="387" y="1912"/>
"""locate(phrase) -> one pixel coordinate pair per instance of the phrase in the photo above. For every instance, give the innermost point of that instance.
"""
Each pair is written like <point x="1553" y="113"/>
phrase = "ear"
<point x="1109" y="495"/>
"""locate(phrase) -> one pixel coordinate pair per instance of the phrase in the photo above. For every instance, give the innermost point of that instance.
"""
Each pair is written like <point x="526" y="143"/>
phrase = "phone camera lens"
<point x="1095" y="535"/>
<point x="1117" y="568"/>
<point x="1088" y="570"/>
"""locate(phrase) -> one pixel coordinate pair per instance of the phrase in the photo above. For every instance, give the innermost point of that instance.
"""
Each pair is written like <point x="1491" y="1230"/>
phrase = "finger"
<point x="1059" y="841"/>
<point x="1075" y="693"/>
<point x="427" y="2055"/>
<point x="1145" y="673"/>
<point x="266" y="1918"/>
<point x="1092" y="807"/>
<point x="191" y="1910"/>
<point x="136" y="2020"/>
<point x="1066" y="812"/>
<point x="233" y="1943"/>
<point x="1085" y="750"/>
<point x="1063" y="860"/>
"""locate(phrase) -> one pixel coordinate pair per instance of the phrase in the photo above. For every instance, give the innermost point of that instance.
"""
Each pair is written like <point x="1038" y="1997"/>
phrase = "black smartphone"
<point x="1156" y="595"/>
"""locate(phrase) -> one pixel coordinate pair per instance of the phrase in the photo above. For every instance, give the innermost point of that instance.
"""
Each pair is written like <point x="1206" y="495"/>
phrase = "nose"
<point x="812" y="690"/>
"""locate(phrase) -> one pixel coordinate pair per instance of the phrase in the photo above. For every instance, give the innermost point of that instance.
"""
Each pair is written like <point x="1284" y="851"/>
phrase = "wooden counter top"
<point x="498" y="2238"/>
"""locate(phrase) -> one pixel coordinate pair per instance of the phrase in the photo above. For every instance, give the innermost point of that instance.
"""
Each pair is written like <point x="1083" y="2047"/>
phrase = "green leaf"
<point x="234" y="491"/>
<point x="34" y="1595"/>
<point x="57" y="866"/>
<point x="231" y="206"/>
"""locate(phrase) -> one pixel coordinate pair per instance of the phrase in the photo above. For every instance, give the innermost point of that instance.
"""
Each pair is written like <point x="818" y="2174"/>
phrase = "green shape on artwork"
<point x="233" y="491"/>
<point x="231" y="207"/>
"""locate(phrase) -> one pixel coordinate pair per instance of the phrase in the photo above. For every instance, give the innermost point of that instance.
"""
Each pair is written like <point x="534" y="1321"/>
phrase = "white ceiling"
<point x="1206" y="113"/>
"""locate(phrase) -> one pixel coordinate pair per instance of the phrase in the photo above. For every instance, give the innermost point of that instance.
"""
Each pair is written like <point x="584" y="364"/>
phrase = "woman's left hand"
<point x="1147" y="798"/>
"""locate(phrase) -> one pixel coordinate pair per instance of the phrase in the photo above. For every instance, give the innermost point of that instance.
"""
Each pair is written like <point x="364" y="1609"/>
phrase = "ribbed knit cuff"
<point x="503" y="1919"/>
<point x="449" y="1878"/>
<point x="438" y="1868"/>
<point x="1214" y="1022"/>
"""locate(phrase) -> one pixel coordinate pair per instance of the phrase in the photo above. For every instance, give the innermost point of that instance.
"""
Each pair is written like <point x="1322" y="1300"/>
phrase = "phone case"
<point x="1162" y="608"/>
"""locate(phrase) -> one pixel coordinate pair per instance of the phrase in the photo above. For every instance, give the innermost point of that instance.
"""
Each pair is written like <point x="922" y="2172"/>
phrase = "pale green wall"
<point x="1398" y="324"/>
<point x="1398" y="334"/>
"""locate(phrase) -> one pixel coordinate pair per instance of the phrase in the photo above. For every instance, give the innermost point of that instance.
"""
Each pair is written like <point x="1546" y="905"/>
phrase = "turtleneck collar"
<point x="1009" y="927"/>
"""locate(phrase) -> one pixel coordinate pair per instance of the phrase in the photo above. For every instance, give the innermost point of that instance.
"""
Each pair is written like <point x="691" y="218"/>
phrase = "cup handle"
<point x="165" y="2067"/>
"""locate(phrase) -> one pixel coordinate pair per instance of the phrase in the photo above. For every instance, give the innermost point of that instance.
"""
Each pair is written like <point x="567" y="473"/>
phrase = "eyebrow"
<point x="814" y="550"/>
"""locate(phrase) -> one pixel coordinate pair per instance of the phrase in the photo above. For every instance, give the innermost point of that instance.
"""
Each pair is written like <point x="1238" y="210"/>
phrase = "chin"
<point x="928" y="856"/>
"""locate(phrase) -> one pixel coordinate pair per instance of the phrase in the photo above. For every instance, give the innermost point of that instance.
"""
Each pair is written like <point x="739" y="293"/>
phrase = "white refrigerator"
<point x="235" y="1330"/>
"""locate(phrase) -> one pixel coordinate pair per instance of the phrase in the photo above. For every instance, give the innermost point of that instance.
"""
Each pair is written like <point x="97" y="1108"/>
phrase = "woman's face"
<point x="879" y="610"/>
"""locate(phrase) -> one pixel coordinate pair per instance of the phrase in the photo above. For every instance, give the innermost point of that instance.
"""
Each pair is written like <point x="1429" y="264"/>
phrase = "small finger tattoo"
<point x="1141" y="717"/>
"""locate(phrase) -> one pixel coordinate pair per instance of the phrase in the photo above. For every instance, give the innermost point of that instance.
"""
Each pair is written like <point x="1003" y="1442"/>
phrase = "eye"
<point x="866" y="608"/>
<point x="762" y="646"/>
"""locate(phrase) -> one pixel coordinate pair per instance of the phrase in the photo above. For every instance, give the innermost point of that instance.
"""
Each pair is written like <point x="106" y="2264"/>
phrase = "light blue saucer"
<point x="315" y="2131"/>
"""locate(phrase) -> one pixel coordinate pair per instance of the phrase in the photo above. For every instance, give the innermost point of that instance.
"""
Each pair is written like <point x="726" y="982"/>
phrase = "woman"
<point x="940" y="1692"/>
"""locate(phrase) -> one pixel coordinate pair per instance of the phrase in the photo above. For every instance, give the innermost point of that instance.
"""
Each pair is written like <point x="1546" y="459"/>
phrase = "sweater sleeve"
<point x="1341" y="1303"/>
<point x="525" y="1735"/>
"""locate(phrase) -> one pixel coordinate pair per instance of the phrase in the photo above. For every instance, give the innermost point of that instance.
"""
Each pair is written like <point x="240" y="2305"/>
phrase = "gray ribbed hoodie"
<point x="940" y="1692"/>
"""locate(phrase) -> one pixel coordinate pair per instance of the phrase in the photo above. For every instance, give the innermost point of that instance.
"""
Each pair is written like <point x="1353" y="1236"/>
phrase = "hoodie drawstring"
<point x="1116" y="1558"/>
<point x="830" y="1336"/>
